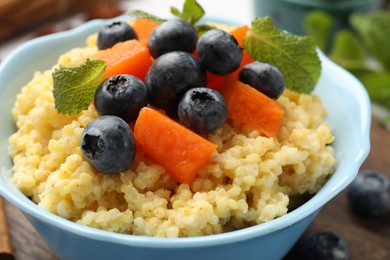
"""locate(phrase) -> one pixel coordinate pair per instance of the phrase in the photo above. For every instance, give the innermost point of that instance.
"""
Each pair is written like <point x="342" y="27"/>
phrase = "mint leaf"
<point x="295" y="56"/>
<point x="378" y="87"/>
<point x="202" y="28"/>
<point x="192" y="11"/>
<point x="142" y="14"/>
<point x="175" y="12"/>
<point x="74" y="87"/>
<point x="318" y="24"/>
<point x="348" y="52"/>
<point x="374" y="30"/>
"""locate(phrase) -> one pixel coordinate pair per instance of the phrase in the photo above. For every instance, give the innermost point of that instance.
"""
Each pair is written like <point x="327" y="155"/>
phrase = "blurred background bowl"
<point x="289" y="14"/>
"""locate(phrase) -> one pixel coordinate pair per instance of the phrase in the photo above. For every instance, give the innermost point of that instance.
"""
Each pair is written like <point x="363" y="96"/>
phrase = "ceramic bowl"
<point x="349" y="115"/>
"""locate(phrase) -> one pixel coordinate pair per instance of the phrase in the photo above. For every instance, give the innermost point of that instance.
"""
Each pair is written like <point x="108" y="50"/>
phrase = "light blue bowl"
<point x="349" y="115"/>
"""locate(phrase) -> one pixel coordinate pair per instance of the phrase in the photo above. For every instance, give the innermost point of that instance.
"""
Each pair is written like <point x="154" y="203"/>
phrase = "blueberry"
<point x="323" y="246"/>
<point x="108" y="144"/>
<point x="369" y="193"/>
<point x="219" y="52"/>
<point x="264" y="77"/>
<point x="113" y="33"/>
<point x="203" y="110"/>
<point x="170" y="76"/>
<point x="121" y="95"/>
<point x="172" y="35"/>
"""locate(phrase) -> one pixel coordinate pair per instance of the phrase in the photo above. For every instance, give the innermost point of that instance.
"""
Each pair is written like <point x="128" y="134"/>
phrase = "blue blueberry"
<point x="172" y="35"/>
<point x="113" y="33"/>
<point x="369" y="193"/>
<point x="219" y="52"/>
<point x="170" y="76"/>
<point x="121" y="95"/>
<point x="323" y="246"/>
<point x="203" y="110"/>
<point x="264" y="77"/>
<point x="108" y="144"/>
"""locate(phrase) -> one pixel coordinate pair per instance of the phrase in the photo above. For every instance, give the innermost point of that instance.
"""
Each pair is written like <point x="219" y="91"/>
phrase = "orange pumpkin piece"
<point x="215" y="81"/>
<point x="182" y="152"/>
<point x="239" y="33"/>
<point x="212" y="80"/>
<point x="250" y="108"/>
<point x="144" y="27"/>
<point x="129" y="57"/>
<point x="246" y="59"/>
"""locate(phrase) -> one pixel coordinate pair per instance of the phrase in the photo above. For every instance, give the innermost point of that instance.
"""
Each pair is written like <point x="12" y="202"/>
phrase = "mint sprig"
<point x="192" y="11"/>
<point x="142" y="14"/>
<point x="295" y="56"/>
<point x="74" y="87"/>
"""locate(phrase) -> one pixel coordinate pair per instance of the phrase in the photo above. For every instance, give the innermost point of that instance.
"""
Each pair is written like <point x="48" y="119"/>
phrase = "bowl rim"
<point x="303" y="211"/>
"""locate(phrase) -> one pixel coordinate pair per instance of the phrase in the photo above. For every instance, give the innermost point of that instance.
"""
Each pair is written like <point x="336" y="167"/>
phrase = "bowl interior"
<point x="345" y="99"/>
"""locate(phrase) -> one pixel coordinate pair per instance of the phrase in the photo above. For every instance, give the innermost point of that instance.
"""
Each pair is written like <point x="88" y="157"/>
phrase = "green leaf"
<point x="378" y="87"/>
<point x="175" y="11"/>
<point x="142" y="14"/>
<point x="318" y="24"/>
<point x="192" y="11"/>
<point x="348" y="52"/>
<point x="374" y="30"/>
<point x="74" y="87"/>
<point x="202" y="28"/>
<point x="295" y="56"/>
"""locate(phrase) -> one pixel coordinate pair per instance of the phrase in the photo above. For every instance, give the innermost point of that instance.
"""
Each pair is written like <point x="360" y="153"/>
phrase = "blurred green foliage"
<point x="318" y="24"/>
<point x="363" y="49"/>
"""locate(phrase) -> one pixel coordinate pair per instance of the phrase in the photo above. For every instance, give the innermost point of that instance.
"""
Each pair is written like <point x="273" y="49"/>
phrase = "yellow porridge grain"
<point x="248" y="180"/>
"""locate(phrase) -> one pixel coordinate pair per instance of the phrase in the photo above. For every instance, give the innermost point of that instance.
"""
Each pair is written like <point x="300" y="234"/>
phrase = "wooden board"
<point x="366" y="238"/>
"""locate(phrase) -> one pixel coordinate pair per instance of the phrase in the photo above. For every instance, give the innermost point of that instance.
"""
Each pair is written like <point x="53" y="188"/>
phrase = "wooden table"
<point x="367" y="238"/>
